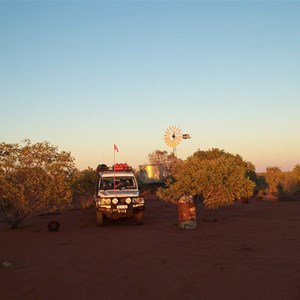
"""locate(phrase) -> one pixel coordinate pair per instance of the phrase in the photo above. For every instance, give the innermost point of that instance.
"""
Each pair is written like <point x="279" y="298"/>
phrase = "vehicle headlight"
<point x="128" y="200"/>
<point x="115" y="201"/>
<point x="105" y="201"/>
<point x="140" y="200"/>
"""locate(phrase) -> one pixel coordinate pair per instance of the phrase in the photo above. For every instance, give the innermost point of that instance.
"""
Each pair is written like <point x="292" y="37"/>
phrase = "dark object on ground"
<point x="53" y="225"/>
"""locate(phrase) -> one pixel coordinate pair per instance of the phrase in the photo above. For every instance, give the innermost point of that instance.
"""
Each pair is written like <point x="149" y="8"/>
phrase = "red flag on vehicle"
<point x="116" y="148"/>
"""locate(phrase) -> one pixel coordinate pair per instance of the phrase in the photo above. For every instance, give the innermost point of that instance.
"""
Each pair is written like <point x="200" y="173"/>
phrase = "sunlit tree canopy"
<point x="33" y="177"/>
<point x="219" y="177"/>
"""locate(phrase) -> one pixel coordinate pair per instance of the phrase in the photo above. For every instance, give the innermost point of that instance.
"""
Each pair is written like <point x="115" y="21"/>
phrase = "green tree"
<point x="84" y="187"/>
<point x="296" y="175"/>
<point x="33" y="177"/>
<point x="163" y="158"/>
<point x="160" y="157"/>
<point x="273" y="178"/>
<point x="219" y="177"/>
<point x="261" y="186"/>
<point x="296" y="172"/>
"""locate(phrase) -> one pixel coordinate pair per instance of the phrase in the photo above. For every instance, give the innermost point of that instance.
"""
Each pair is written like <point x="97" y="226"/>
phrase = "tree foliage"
<point x="296" y="173"/>
<point x="282" y="185"/>
<point x="84" y="187"/>
<point x="296" y="182"/>
<point x="33" y="177"/>
<point x="273" y="177"/>
<point x="219" y="177"/>
<point x="160" y="157"/>
<point x="164" y="159"/>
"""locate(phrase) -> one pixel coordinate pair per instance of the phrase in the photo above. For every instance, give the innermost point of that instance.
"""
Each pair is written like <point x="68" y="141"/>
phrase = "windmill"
<point x="173" y="137"/>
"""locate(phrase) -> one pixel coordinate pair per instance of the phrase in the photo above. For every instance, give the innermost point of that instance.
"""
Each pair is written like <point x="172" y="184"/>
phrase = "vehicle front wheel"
<point x="138" y="218"/>
<point x="99" y="218"/>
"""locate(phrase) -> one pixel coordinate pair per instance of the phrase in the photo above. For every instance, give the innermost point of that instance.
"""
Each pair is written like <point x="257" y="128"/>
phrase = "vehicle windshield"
<point x="107" y="183"/>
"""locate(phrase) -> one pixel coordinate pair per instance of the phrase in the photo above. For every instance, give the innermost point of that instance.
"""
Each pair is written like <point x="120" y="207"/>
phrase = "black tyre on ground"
<point x="138" y="218"/>
<point x="99" y="218"/>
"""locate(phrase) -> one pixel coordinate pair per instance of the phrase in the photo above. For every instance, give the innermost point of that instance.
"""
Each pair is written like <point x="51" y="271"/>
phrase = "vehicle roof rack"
<point x="116" y="167"/>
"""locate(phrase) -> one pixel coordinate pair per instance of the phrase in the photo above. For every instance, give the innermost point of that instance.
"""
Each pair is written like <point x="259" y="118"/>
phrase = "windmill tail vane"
<point x="186" y="136"/>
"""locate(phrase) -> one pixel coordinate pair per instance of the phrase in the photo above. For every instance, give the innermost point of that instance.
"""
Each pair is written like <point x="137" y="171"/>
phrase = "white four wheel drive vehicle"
<point x="117" y="194"/>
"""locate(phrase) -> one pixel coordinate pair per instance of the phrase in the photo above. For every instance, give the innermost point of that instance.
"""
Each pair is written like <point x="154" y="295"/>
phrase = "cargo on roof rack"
<point x="122" y="167"/>
<point x="102" y="168"/>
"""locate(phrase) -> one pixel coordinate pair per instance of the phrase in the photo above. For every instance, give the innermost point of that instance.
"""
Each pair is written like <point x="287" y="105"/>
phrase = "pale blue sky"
<point x="84" y="75"/>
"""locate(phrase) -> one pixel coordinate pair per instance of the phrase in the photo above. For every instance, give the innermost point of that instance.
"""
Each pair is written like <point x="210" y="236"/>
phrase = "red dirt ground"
<point x="244" y="251"/>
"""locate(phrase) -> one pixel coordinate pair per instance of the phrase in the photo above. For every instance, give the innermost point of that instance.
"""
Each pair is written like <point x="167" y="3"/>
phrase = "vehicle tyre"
<point x="99" y="218"/>
<point x="138" y="217"/>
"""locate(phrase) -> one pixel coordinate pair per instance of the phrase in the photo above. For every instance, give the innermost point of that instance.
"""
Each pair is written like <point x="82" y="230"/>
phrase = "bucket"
<point x="187" y="213"/>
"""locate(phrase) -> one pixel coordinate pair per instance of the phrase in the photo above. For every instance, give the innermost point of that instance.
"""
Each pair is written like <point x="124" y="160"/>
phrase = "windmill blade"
<point x="172" y="136"/>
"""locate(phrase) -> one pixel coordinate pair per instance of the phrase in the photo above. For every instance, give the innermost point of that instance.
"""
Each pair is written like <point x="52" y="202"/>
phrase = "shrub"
<point x="33" y="177"/>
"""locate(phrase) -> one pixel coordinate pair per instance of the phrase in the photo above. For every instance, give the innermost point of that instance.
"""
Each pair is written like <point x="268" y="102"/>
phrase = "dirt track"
<point x="245" y="251"/>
